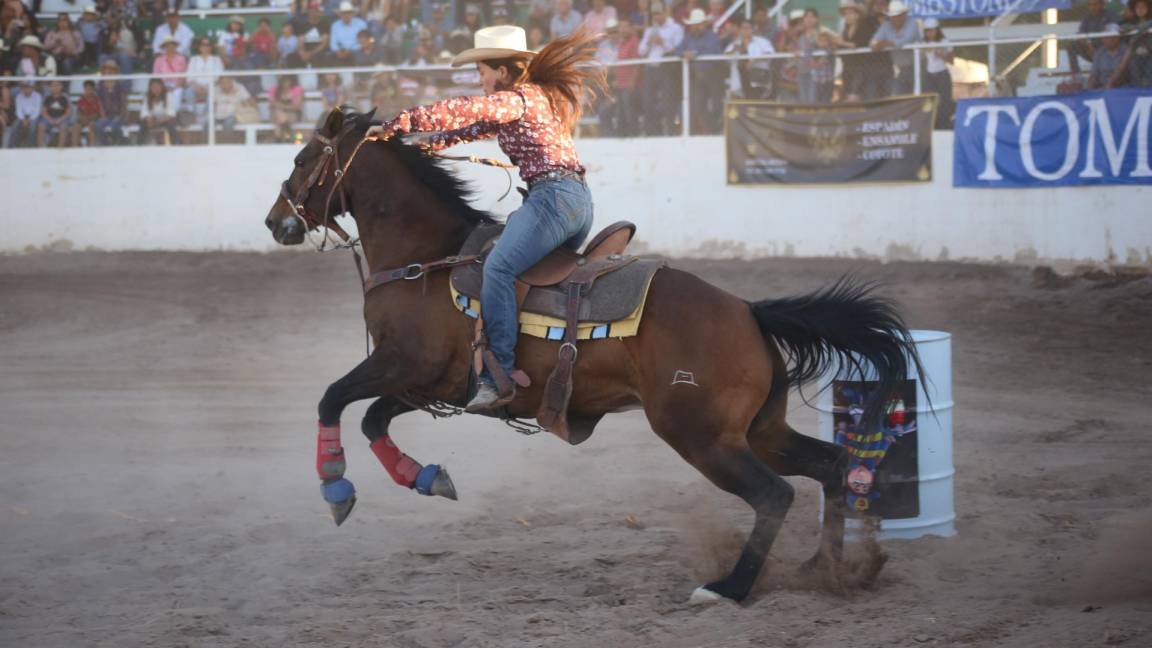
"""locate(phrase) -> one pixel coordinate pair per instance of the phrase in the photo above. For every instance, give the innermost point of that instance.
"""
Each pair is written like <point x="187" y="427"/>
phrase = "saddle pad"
<point x="552" y="328"/>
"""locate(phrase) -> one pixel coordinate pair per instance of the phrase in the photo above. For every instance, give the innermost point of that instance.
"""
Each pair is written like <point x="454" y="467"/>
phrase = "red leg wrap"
<point x="329" y="454"/>
<point x="400" y="466"/>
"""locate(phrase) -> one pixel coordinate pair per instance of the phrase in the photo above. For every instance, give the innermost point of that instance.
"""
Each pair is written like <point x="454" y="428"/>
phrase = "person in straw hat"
<point x="34" y="61"/>
<point x="531" y="104"/>
<point x="897" y="32"/>
<point x="705" y="78"/>
<point x="92" y="29"/>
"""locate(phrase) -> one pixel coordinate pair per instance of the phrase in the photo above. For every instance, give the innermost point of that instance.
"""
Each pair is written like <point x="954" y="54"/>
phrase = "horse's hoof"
<point x="341" y="497"/>
<point x="434" y="480"/>
<point x="341" y="511"/>
<point x="443" y="485"/>
<point x="704" y="596"/>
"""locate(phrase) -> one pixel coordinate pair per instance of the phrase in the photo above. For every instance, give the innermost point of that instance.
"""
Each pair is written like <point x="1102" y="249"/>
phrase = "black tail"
<point x="843" y="325"/>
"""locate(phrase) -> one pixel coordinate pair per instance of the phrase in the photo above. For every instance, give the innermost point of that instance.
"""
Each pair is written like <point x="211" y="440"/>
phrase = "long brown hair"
<point x="565" y="70"/>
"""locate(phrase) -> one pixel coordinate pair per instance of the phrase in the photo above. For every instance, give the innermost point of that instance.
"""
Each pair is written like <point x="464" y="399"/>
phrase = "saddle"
<point x="602" y="285"/>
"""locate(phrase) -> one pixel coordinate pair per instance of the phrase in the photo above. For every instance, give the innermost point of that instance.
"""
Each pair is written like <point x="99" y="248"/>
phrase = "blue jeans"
<point x="109" y="131"/>
<point x="556" y="212"/>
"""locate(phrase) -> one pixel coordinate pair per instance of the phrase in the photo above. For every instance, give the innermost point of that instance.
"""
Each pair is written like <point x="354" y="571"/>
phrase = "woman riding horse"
<point x="531" y="103"/>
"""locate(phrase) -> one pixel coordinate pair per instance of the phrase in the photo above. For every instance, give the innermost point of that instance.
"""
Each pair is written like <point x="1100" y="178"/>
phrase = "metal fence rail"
<point x="460" y="80"/>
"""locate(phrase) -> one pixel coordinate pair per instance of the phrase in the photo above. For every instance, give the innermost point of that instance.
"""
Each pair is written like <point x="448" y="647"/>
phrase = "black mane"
<point x="426" y="168"/>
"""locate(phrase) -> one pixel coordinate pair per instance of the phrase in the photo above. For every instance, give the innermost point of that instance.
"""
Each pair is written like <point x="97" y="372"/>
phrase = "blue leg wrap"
<point x="337" y="491"/>
<point x="425" y="478"/>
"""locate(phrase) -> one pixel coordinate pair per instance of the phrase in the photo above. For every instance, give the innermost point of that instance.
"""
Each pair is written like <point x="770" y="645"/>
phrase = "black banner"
<point x="878" y="141"/>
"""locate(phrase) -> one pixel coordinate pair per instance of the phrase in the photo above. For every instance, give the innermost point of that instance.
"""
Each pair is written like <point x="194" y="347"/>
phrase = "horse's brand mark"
<point x="682" y="377"/>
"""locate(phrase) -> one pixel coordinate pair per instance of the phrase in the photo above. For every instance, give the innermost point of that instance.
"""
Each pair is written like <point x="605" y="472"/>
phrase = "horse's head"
<point x="307" y="201"/>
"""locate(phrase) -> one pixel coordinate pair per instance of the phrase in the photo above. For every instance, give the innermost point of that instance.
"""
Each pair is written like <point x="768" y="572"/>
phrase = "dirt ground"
<point x="157" y="489"/>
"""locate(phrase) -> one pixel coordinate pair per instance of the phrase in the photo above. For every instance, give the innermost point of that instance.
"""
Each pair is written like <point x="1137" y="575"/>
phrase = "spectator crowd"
<point x="114" y="37"/>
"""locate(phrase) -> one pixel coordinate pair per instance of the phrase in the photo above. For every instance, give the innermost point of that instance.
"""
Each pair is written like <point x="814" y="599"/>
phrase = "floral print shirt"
<point x="521" y="119"/>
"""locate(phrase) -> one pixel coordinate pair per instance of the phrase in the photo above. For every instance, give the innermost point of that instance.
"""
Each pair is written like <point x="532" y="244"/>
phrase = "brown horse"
<point x="727" y="420"/>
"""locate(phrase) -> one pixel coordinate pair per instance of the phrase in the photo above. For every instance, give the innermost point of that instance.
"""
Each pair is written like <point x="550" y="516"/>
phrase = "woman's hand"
<point x="378" y="134"/>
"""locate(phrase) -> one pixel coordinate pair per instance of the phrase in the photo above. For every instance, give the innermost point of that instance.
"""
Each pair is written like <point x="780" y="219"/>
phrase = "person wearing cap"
<point x="343" y="43"/>
<point x="1107" y="58"/>
<point x="895" y="33"/>
<point x="857" y="32"/>
<point x="91" y="27"/>
<point x="599" y="15"/>
<point x="173" y="27"/>
<point x="658" y="83"/>
<point x="531" y="104"/>
<point x="565" y="20"/>
<point x="29" y="103"/>
<point x="705" y="78"/>
<point x="937" y="77"/>
<point x="65" y="43"/>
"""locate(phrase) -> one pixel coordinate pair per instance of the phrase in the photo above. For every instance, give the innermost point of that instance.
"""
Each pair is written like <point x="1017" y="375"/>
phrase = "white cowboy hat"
<point x="931" y="23"/>
<point x="696" y="17"/>
<point x="851" y="4"/>
<point x="346" y="7"/>
<point x="611" y="24"/>
<point x="501" y="41"/>
<point x="169" y="40"/>
<point x="91" y="9"/>
<point x="896" y="8"/>
<point x="795" y="14"/>
<point x="30" y="41"/>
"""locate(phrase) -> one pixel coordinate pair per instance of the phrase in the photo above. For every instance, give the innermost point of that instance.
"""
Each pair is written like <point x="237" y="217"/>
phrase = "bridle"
<point x="329" y="160"/>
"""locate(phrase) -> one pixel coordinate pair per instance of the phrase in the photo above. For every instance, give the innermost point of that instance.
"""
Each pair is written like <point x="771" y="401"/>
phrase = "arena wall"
<point x="201" y="198"/>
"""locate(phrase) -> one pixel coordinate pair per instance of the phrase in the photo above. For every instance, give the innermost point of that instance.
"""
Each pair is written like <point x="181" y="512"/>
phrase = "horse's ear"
<point x="371" y="114"/>
<point x="335" y="122"/>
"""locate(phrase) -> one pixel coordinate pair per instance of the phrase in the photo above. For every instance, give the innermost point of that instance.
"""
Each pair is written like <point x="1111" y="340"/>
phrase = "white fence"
<point x="216" y="198"/>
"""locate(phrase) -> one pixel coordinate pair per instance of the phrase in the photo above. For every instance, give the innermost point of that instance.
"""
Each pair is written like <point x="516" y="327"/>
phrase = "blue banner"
<point x="1091" y="138"/>
<point x="975" y="8"/>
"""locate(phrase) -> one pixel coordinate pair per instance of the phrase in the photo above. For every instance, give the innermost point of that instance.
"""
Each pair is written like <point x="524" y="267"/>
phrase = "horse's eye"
<point x="299" y="163"/>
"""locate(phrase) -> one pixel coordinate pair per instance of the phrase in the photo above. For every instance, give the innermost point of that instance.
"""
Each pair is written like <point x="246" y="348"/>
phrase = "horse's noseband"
<point x="330" y="157"/>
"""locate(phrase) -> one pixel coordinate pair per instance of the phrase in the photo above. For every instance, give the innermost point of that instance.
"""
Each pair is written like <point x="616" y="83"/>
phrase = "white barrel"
<point x="933" y="506"/>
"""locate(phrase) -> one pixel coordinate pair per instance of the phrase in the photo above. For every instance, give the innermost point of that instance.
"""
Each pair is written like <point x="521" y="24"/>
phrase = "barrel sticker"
<point x="883" y="472"/>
